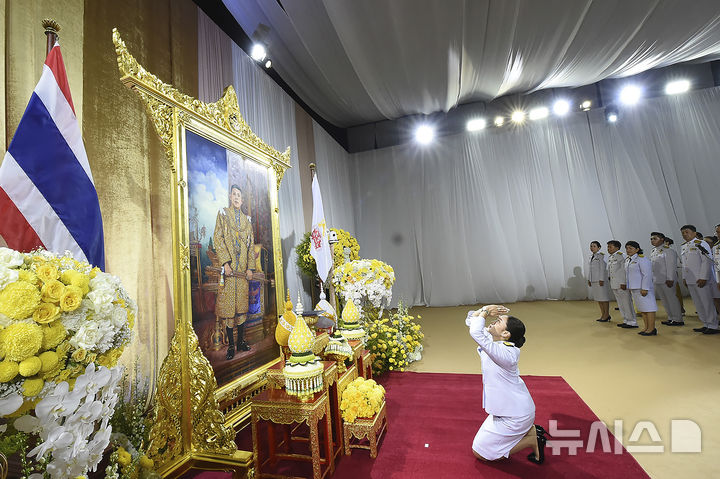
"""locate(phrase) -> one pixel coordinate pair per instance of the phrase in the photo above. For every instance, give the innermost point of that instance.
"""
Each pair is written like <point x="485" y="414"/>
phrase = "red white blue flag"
<point x="47" y="193"/>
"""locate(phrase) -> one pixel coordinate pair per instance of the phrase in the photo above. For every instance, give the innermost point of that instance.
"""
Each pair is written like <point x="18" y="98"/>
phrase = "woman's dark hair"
<point x="516" y="328"/>
<point x="635" y="245"/>
<point x="615" y="243"/>
<point x="669" y="240"/>
<point x="596" y="243"/>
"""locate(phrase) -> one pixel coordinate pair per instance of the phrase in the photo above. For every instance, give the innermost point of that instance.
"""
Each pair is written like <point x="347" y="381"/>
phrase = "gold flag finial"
<point x="51" y="26"/>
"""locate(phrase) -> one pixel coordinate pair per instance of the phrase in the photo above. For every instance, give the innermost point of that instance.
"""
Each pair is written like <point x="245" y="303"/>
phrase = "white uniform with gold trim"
<point x="664" y="268"/>
<point x="697" y="265"/>
<point x="639" y="277"/>
<point x="505" y="397"/>
<point x="617" y="277"/>
<point x="597" y="271"/>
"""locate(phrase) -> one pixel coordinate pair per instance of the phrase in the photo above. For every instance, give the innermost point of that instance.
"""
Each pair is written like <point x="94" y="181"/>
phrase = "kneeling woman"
<point x="509" y="426"/>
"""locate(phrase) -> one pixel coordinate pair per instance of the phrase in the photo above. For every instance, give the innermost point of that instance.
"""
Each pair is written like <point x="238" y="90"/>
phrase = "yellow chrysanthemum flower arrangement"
<point x="306" y="262"/>
<point x="394" y="341"/>
<point x="362" y="398"/>
<point x="57" y="315"/>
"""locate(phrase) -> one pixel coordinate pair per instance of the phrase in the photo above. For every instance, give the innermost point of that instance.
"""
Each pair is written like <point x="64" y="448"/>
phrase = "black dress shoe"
<point x="230" y="353"/>
<point x="711" y="331"/>
<point x="603" y="320"/>
<point x="676" y="323"/>
<point x="700" y="330"/>
<point x="542" y="432"/>
<point x="541" y="441"/>
<point x="668" y="322"/>
<point x="651" y="333"/>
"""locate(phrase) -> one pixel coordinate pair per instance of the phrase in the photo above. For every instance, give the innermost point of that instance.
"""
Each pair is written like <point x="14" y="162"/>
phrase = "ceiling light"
<point x="561" y="107"/>
<point x="476" y="124"/>
<point x="678" y="86"/>
<point x="585" y="105"/>
<point x="268" y="64"/>
<point x="499" y="121"/>
<point x="539" y="113"/>
<point x="424" y="134"/>
<point x="258" y="52"/>
<point x="611" y="115"/>
<point x="630" y="95"/>
<point x="518" y="116"/>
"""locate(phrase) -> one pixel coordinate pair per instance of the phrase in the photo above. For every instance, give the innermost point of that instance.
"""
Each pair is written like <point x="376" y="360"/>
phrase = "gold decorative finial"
<point x="51" y="26"/>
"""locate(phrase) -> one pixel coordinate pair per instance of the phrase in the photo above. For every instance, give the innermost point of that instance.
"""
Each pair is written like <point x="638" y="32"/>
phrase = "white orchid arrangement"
<point x="365" y="282"/>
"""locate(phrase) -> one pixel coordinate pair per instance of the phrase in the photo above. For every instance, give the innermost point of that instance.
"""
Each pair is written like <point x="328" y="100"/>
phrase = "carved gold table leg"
<point x="329" y="452"/>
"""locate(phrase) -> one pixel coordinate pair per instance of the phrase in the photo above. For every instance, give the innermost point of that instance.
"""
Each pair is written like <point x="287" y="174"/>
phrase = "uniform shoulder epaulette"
<point x="641" y="256"/>
<point x="600" y="252"/>
<point x="666" y="246"/>
<point x="697" y="241"/>
<point x="508" y="343"/>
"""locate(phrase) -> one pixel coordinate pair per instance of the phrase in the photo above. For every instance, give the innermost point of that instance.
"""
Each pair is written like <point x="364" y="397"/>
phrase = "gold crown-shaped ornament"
<point x="286" y="323"/>
<point x="303" y="371"/>
<point x="338" y="350"/>
<point x="351" y="328"/>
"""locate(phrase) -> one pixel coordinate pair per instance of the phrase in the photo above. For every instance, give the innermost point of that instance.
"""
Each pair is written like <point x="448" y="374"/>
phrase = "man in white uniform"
<point x="664" y="267"/>
<point x="616" y="274"/>
<point x="697" y="267"/>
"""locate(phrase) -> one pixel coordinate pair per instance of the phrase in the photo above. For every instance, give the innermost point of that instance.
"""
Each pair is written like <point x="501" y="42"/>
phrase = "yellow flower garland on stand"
<point x="362" y="398"/>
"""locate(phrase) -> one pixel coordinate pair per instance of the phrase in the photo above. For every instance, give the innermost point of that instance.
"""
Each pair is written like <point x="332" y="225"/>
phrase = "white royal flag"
<point x="319" y="246"/>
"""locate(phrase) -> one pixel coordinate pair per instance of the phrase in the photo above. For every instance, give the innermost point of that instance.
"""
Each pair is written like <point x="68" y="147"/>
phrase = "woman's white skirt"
<point x="644" y="304"/>
<point x="600" y="293"/>
<point x="499" y="434"/>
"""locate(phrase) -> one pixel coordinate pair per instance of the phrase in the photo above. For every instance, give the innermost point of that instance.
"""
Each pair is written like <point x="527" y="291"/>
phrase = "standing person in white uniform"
<point x="618" y="283"/>
<point x="509" y="426"/>
<point x="678" y="294"/>
<point x="640" y="283"/>
<point x="712" y="241"/>
<point x="664" y="270"/>
<point x="697" y="268"/>
<point x="597" y="280"/>
<point x="716" y="257"/>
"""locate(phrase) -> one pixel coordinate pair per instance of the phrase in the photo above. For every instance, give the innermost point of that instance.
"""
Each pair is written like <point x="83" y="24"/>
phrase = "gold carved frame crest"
<point x="193" y="419"/>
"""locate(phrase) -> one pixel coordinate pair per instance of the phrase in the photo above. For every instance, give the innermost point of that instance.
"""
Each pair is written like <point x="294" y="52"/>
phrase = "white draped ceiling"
<point x="357" y="62"/>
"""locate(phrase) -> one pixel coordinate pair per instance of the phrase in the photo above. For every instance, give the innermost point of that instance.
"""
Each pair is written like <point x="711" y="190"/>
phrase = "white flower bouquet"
<point x="63" y="327"/>
<point x="365" y="282"/>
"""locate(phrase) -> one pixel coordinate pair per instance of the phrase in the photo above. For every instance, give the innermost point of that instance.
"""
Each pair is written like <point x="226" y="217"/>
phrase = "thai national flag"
<point x="47" y="193"/>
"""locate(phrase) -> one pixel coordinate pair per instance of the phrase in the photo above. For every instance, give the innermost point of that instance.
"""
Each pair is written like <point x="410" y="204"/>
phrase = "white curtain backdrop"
<point x="508" y="215"/>
<point x="501" y="214"/>
<point x="270" y="112"/>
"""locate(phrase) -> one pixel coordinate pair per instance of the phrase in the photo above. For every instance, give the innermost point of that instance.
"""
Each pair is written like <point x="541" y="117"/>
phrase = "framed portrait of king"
<point x="236" y="282"/>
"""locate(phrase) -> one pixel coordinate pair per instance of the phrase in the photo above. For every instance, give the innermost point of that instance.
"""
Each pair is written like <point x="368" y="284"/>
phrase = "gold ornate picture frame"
<point x="194" y="416"/>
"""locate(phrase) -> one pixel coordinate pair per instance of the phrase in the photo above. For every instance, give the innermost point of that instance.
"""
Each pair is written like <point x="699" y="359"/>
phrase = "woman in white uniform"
<point x="640" y="284"/>
<point x="598" y="281"/>
<point x="509" y="426"/>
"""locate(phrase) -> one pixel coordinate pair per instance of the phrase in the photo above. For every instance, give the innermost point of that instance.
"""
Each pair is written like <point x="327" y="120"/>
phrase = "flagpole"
<point x="331" y="287"/>
<point x="51" y="30"/>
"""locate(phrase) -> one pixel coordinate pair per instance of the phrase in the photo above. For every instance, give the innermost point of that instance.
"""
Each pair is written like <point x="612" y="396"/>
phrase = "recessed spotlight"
<point x="611" y="114"/>
<point x="518" y="116"/>
<point x="630" y="94"/>
<point x="476" y="124"/>
<point x="561" y="107"/>
<point x="268" y="64"/>
<point x="424" y="134"/>
<point x="539" y="113"/>
<point x="585" y="105"/>
<point x="258" y="52"/>
<point x="499" y="121"/>
<point x="678" y="86"/>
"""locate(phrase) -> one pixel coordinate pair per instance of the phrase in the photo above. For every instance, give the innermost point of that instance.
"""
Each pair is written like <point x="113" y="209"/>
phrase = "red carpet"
<point x="444" y="411"/>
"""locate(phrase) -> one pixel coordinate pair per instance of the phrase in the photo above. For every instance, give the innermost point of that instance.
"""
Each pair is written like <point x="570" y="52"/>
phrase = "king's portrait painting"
<point x="232" y="267"/>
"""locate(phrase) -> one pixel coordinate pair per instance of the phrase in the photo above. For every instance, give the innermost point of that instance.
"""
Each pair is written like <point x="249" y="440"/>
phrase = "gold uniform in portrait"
<point x="233" y="241"/>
